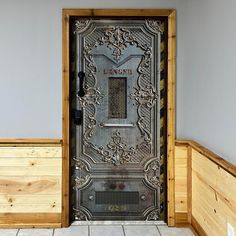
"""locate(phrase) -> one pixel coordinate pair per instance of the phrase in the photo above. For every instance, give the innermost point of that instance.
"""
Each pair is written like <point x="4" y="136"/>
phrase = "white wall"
<point x="30" y="61"/>
<point x="30" y="68"/>
<point x="207" y="87"/>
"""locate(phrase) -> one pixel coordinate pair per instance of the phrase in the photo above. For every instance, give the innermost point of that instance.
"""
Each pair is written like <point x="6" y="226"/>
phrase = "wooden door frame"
<point x="66" y="15"/>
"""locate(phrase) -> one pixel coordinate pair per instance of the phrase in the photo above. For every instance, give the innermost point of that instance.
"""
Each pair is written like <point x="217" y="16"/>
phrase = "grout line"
<point x="88" y="230"/>
<point x="158" y="230"/>
<point x="123" y="230"/>
<point x="17" y="232"/>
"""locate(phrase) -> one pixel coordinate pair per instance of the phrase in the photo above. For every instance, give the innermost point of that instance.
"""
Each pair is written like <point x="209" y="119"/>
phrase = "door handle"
<point x="81" y="76"/>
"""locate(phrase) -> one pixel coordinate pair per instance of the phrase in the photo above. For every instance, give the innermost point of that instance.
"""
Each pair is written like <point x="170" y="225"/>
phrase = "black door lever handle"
<point x="81" y="76"/>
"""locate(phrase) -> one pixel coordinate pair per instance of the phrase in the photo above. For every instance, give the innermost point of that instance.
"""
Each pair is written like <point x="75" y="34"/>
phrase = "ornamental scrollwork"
<point x="155" y="25"/>
<point x="152" y="170"/>
<point x="117" y="39"/>
<point x="83" y="176"/>
<point x="145" y="96"/>
<point x="80" y="25"/>
<point x="153" y="215"/>
<point x="80" y="215"/>
<point x="117" y="152"/>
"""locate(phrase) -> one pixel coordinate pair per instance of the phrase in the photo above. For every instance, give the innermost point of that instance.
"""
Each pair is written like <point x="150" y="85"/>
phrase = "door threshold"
<point x="107" y="222"/>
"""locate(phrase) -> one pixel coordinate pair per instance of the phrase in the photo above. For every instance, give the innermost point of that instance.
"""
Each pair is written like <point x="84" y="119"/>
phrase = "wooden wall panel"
<point x="26" y="185"/>
<point x="181" y="153"/>
<point x="213" y="195"/>
<point x="30" y="151"/>
<point x="181" y="180"/>
<point x="30" y="184"/>
<point x="210" y="189"/>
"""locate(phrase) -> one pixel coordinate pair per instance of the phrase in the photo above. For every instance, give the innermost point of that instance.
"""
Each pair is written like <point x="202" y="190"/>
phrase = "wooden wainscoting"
<point x="181" y="180"/>
<point x="211" y="189"/>
<point x="30" y="183"/>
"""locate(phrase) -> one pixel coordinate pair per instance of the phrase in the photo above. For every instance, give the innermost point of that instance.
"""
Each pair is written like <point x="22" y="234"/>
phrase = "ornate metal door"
<point x="116" y="130"/>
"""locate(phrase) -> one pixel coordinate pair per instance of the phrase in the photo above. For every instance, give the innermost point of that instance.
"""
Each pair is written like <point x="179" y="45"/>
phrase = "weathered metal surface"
<point x="118" y="149"/>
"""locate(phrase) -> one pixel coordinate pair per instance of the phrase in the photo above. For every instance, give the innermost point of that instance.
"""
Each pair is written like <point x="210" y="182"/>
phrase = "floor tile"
<point x="111" y="230"/>
<point x="72" y="231"/>
<point x="8" y="232"/>
<point x="35" y="232"/>
<point x="141" y="230"/>
<point x="171" y="231"/>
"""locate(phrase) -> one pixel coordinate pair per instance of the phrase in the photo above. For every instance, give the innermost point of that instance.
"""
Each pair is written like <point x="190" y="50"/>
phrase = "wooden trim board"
<point x="181" y="184"/>
<point x="171" y="117"/>
<point x="117" y="12"/>
<point x="65" y="120"/>
<point x="189" y="184"/>
<point x="14" y="142"/>
<point x="30" y="220"/>
<point x="171" y="14"/>
<point x="181" y="219"/>
<point x="220" y="161"/>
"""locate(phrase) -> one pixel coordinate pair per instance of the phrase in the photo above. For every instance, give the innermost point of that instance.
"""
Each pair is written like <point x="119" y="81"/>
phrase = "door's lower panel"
<point x="116" y="199"/>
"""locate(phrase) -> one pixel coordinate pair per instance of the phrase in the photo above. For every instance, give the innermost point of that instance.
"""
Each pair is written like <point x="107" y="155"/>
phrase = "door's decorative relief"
<point x="154" y="215"/>
<point x="80" y="25"/>
<point x="152" y="170"/>
<point x="117" y="39"/>
<point x="119" y="153"/>
<point x="83" y="176"/>
<point x="80" y="215"/>
<point x="155" y="25"/>
<point x="145" y="96"/>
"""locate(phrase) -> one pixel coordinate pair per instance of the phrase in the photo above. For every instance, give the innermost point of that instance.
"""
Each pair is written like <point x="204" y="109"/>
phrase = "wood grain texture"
<point x="29" y="162"/>
<point x="189" y="184"/>
<point x="213" y="195"/>
<point x="117" y="12"/>
<point x="30" y="152"/>
<point x="171" y="14"/>
<point x="31" y="220"/>
<point x="44" y="142"/>
<point x="171" y="117"/>
<point x="197" y="227"/>
<point x="30" y="225"/>
<point x="181" y="219"/>
<point x="65" y="118"/>
<point x="29" y="171"/>
<point x="181" y="162"/>
<point x="30" y="184"/>
<point x="220" y="161"/>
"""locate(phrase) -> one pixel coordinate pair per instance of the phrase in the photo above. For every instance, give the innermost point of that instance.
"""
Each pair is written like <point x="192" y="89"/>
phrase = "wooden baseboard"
<point x="197" y="227"/>
<point x="29" y="226"/>
<point x="30" y="220"/>
<point x="181" y="219"/>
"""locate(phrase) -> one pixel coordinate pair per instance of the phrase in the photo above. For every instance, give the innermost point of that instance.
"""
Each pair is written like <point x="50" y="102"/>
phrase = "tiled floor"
<point x="101" y="230"/>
